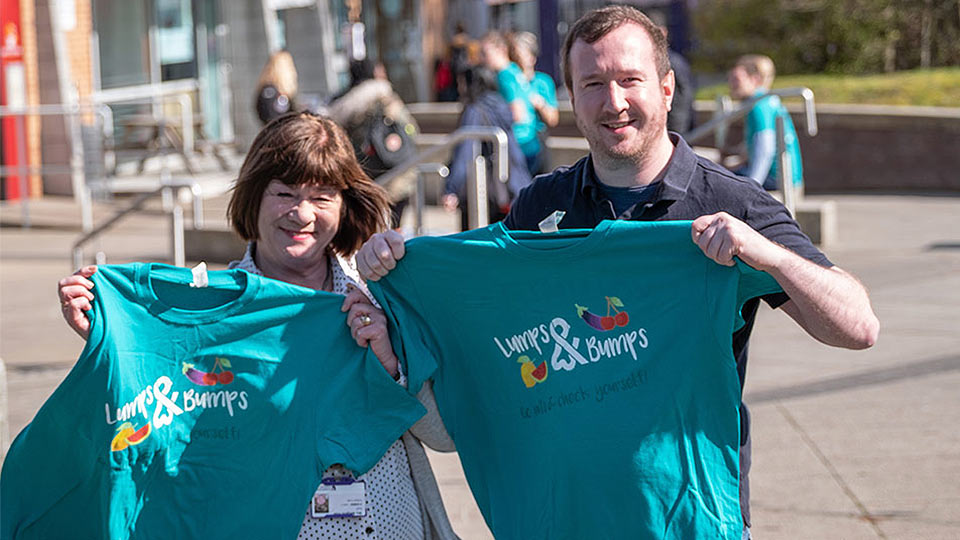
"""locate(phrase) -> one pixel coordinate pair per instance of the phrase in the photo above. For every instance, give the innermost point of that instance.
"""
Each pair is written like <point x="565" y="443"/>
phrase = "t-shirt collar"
<point x="675" y="180"/>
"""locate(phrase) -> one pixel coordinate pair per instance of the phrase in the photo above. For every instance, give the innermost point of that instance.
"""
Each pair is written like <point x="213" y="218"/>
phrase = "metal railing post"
<point x="197" y="194"/>
<point x="785" y="169"/>
<point x="176" y="236"/>
<point x="724" y="105"/>
<point x="186" y="122"/>
<point x="478" y="211"/>
<point x="22" y="167"/>
<point x="419" y="196"/>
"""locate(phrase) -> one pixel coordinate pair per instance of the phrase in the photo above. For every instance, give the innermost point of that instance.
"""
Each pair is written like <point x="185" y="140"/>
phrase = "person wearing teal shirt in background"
<point x="587" y="380"/>
<point x="515" y="89"/>
<point x="751" y="77"/>
<point x="543" y="91"/>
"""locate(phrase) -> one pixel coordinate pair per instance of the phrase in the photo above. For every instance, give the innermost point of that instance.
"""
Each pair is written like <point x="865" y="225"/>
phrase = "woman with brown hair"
<point x="304" y="205"/>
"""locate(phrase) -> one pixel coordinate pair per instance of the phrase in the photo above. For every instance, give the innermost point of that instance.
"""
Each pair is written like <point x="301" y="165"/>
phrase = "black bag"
<point x="387" y="143"/>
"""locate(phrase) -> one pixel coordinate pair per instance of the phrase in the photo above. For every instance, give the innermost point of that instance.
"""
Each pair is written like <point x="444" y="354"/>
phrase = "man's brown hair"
<point x="600" y="22"/>
<point x="303" y="148"/>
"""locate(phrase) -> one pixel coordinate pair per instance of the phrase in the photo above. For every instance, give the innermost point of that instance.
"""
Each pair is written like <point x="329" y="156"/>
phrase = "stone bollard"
<point x="4" y="421"/>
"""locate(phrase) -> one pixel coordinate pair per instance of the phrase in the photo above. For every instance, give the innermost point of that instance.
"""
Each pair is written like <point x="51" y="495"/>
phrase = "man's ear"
<point x="667" y="86"/>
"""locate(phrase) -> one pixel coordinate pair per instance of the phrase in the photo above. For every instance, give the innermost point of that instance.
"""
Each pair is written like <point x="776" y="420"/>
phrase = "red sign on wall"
<point x="12" y="93"/>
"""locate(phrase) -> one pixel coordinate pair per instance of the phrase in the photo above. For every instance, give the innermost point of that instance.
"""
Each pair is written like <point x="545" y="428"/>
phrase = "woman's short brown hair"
<point x="303" y="148"/>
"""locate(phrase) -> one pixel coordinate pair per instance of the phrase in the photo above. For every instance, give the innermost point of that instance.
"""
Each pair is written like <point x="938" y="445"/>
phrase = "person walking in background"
<point x="681" y="117"/>
<point x="444" y="82"/>
<point x="463" y="51"/>
<point x="380" y="128"/>
<point x="515" y="89"/>
<point x="752" y="77"/>
<point x="524" y="50"/>
<point x="484" y="106"/>
<point x="277" y="88"/>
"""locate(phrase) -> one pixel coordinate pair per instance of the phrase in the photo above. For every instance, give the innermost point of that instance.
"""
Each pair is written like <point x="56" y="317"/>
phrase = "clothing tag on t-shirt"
<point x="200" y="278"/>
<point x="340" y="497"/>
<point x="551" y="223"/>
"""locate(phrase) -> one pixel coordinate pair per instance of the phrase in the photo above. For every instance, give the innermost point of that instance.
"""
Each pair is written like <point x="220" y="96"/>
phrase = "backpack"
<point x="386" y="142"/>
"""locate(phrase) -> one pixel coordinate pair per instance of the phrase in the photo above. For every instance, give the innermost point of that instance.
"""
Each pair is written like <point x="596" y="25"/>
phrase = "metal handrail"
<point x="166" y="191"/>
<point x="419" y="196"/>
<point x="478" y="216"/>
<point x="722" y="121"/>
<point x="81" y="190"/>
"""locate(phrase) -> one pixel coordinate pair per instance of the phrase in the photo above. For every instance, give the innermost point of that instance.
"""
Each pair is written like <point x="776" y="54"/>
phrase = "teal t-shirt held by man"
<point x="205" y="412"/>
<point x="586" y="376"/>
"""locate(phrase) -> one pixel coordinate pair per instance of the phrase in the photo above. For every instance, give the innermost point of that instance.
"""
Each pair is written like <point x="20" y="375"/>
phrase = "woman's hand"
<point x="368" y="326"/>
<point x="76" y="298"/>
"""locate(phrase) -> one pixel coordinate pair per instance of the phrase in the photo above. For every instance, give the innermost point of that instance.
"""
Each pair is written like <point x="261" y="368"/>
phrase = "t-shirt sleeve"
<point x="548" y="90"/>
<point x="763" y="115"/>
<point x="368" y="419"/>
<point x="727" y="290"/>
<point x="752" y="283"/>
<point x="409" y="330"/>
<point x="509" y="86"/>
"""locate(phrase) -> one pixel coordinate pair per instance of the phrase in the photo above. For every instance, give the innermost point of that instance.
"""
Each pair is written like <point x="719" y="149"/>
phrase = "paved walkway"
<point x="846" y="444"/>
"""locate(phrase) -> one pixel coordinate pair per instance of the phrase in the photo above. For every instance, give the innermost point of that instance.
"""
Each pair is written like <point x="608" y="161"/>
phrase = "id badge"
<point x="339" y="497"/>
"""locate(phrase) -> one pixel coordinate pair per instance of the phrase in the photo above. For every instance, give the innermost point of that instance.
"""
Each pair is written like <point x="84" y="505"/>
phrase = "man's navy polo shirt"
<point x="691" y="186"/>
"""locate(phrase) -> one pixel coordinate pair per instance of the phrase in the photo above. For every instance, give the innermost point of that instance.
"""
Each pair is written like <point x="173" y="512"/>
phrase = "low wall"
<point x="859" y="148"/>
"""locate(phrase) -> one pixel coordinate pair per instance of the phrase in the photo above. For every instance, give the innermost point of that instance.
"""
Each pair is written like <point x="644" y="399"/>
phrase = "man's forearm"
<point x="830" y="304"/>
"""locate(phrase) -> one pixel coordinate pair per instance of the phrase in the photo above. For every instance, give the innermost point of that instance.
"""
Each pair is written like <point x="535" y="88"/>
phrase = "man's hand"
<point x="76" y="298"/>
<point x="830" y="304"/>
<point x="723" y="237"/>
<point x="379" y="255"/>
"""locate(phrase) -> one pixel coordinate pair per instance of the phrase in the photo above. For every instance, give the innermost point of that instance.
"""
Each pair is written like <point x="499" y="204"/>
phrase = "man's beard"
<point x="648" y="131"/>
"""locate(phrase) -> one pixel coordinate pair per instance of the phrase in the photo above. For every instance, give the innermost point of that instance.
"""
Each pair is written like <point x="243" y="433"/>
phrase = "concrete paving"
<point x="846" y="444"/>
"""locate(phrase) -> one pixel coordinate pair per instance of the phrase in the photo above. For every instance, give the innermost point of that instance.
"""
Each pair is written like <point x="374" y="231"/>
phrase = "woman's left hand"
<point x="368" y="326"/>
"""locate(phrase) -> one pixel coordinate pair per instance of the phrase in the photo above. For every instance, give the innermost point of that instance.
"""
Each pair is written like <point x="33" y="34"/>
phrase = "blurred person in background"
<point x="380" y="128"/>
<point x="515" y="89"/>
<point x="681" y="116"/>
<point x="752" y="77"/>
<point x="444" y="82"/>
<point x="277" y="88"/>
<point x="484" y="106"/>
<point x="524" y="50"/>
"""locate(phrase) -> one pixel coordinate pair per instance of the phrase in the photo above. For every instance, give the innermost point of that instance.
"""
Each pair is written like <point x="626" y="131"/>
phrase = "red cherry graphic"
<point x="622" y="319"/>
<point x="225" y="377"/>
<point x="607" y="323"/>
<point x="210" y="379"/>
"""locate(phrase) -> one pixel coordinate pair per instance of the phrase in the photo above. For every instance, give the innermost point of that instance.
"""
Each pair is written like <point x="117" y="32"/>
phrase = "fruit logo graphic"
<point x="128" y="435"/>
<point x="532" y="375"/>
<point x="603" y="324"/>
<point x="219" y="374"/>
